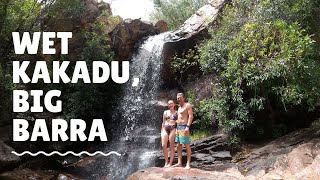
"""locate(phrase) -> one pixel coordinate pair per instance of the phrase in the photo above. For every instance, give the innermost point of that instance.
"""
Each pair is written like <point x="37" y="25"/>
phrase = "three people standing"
<point x="176" y="124"/>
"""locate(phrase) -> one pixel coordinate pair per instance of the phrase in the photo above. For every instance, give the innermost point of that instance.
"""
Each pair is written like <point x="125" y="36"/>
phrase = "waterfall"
<point x="137" y="116"/>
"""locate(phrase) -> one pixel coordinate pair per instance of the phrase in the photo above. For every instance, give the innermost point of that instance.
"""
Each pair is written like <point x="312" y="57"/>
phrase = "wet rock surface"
<point x="7" y="159"/>
<point x="26" y="173"/>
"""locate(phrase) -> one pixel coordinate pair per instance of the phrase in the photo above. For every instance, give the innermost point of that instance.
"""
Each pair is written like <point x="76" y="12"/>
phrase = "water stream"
<point x="137" y="119"/>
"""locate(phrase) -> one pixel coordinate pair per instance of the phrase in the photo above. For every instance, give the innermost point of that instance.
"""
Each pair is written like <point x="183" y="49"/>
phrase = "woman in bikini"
<point x="168" y="132"/>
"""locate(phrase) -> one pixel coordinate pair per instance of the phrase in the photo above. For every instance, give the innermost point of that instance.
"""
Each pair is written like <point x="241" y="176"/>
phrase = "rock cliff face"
<point x="293" y="156"/>
<point x="94" y="11"/>
<point x="126" y="35"/>
<point x="188" y="35"/>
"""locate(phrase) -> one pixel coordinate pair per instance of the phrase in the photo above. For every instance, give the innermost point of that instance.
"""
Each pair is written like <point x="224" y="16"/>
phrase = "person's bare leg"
<point x="179" y="151"/>
<point x="171" y="141"/>
<point x="164" y="141"/>
<point x="188" y="149"/>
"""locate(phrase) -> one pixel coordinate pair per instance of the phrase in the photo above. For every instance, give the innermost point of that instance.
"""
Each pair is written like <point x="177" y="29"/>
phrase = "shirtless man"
<point x="185" y="117"/>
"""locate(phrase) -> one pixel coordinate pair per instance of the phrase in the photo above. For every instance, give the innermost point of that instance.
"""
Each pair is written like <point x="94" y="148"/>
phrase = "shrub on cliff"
<point x="92" y="100"/>
<point x="270" y="66"/>
<point x="175" y="12"/>
<point x="266" y="60"/>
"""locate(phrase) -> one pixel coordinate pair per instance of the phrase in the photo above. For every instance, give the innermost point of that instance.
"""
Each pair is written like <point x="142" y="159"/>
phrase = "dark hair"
<point x="180" y="94"/>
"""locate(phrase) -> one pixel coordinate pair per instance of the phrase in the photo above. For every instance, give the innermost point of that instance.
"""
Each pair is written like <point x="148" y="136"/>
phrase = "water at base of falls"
<point x="138" y="118"/>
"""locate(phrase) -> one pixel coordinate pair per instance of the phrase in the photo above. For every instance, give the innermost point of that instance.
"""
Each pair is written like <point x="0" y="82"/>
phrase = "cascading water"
<point x="136" y="115"/>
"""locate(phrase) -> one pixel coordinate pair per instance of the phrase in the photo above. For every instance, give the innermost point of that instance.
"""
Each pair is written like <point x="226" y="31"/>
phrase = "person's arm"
<point x="190" y="116"/>
<point x="163" y="119"/>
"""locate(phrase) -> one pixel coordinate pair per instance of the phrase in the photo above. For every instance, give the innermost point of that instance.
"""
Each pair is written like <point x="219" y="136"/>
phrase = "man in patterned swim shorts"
<point x="185" y="117"/>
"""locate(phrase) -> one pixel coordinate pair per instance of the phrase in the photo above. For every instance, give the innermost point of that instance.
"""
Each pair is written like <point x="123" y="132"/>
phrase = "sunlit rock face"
<point x="126" y="35"/>
<point x="180" y="173"/>
<point x="199" y="21"/>
<point x="191" y="32"/>
<point x="162" y="26"/>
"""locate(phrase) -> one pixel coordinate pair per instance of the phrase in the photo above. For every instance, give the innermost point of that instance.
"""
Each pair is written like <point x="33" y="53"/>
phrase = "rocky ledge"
<point x="293" y="156"/>
<point x="181" y="173"/>
<point x="211" y="153"/>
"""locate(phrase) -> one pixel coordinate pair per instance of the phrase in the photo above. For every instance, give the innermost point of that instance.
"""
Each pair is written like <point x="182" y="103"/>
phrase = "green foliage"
<point x="266" y="60"/>
<point x="233" y="140"/>
<point x="202" y="111"/>
<point x="289" y="11"/>
<point x="175" y="12"/>
<point x="59" y="9"/>
<point x="181" y="64"/>
<point x="6" y="87"/>
<point x="272" y="62"/>
<point x="273" y="55"/>
<point x="92" y="100"/>
<point x="198" y="134"/>
<point x="17" y="15"/>
<point x="213" y="56"/>
<point x="213" y="52"/>
<point x="6" y="84"/>
<point x="110" y="21"/>
<point x="97" y="42"/>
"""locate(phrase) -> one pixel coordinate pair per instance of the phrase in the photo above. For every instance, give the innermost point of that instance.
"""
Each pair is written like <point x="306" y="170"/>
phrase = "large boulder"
<point x="155" y="173"/>
<point x="128" y="33"/>
<point x="26" y="173"/>
<point x="188" y="35"/>
<point x="293" y="156"/>
<point x="7" y="159"/>
<point x="94" y="11"/>
<point x="210" y="153"/>
<point x="162" y="26"/>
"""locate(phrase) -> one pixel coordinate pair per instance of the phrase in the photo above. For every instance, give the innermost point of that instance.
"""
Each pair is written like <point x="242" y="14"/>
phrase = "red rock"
<point x="126" y="34"/>
<point x="155" y="173"/>
<point x="162" y="26"/>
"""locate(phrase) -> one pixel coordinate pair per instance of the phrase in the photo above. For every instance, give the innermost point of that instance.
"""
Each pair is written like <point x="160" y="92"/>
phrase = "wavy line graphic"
<point x="66" y="153"/>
